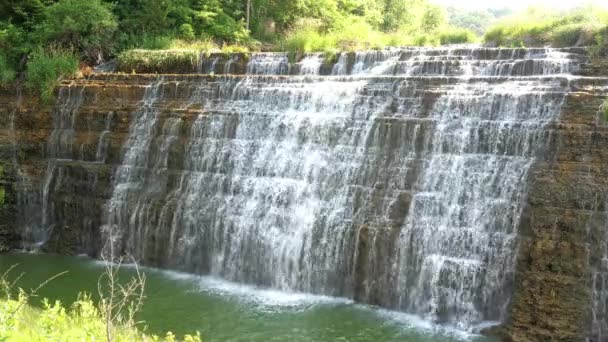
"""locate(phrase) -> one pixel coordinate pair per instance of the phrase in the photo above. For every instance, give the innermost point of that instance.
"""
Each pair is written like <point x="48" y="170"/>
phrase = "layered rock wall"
<point x="564" y="226"/>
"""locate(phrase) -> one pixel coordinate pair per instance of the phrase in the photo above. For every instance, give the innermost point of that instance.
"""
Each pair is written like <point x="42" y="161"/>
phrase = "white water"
<point x="269" y="300"/>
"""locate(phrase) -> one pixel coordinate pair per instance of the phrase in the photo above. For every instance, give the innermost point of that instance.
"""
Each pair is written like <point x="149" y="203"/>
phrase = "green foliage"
<point x="188" y="19"/>
<point x="7" y="74"/>
<point x="46" y="68"/>
<point x="86" y="26"/>
<point x="158" y="60"/>
<point x="600" y="45"/>
<point x="186" y="32"/>
<point x="476" y="20"/>
<point x="54" y="322"/>
<point x="308" y="40"/>
<point x="14" y="43"/>
<point x="23" y="13"/>
<point x="178" y="56"/>
<point x="538" y="27"/>
<point x="153" y="42"/>
<point x="131" y="29"/>
<point x="605" y="109"/>
<point x="433" y="17"/>
<point x="456" y="35"/>
<point x="111" y="319"/>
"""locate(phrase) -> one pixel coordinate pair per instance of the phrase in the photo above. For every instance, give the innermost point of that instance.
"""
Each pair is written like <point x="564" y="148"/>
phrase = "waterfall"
<point x="458" y="247"/>
<point x="59" y="148"/>
<point x="398" y="180"/>
<point x="136" y="162"/>
<point x="311" y="64"/>
<point x="268" y="64"/>
<point x="25" y="196"/>
<point x="102" y="145"/>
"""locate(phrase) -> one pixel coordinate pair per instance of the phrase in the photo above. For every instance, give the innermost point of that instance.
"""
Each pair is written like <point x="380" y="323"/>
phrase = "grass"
<point x="359" y="35"/>
<point x="46" y="68"/>
<point x="150" y="61"/>
<point x="540" y="27"/>
<point x="456" y="35"/>
<point x="605" y="109"/>
<point x="177" y="56"/>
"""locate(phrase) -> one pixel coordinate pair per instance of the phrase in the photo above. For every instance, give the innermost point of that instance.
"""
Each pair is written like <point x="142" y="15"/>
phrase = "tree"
<point x="23" y="13"/>
<point x="434" y="16"/>
<point x="86" y="26"/>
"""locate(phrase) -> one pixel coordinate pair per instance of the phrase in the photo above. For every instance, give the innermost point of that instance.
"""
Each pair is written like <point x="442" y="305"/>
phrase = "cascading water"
<point x="268" y="64"/>
<point x="399" y="180"/>
<point x="102" y="145"/>
<point x="27" y="217"/>
<point x="59" y="148"/>
<point x="458" y="247"/>
<point x="135" y="164"/>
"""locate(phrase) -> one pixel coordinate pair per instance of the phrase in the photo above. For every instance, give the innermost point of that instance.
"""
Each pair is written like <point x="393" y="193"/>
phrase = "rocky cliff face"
<point x="561" y="282"/>
<point x="63" y="164"/>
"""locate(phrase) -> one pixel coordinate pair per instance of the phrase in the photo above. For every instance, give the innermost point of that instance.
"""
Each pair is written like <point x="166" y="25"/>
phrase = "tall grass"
<point x="150" y="61"/>
<point x="46" y="68"/>
<point x="540" y="27"/>
<point x="356" y="34"/>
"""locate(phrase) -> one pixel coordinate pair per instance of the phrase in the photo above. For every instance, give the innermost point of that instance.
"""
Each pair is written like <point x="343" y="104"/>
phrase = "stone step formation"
<point x="462" y="185"/>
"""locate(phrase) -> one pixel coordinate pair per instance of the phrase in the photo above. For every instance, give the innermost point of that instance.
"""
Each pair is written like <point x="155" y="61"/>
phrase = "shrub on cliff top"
<point x="150" y="61"/>
<point x="47" y="68"/>
<point x="540" y="26"/>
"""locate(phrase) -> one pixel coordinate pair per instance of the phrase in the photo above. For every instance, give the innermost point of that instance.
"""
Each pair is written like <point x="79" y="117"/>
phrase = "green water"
<point x="224" y="311"/>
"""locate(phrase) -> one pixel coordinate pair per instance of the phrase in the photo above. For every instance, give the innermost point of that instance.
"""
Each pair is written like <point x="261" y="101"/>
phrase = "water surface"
<point x="223" y="311"/>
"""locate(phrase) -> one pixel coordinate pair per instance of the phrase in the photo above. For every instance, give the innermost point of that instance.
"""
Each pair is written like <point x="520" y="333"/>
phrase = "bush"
<point x="14" y="44"/>
<point x="308" y="40"/>
<point x="83" y="321"/>
<point x="600" y="46"/>
<point x="7" y="73"/>
<point x="456" y="35"/>
<point x="151" y="42"/>
<point x="150" y="61"/>
<point x="86" y="26"/>
<point x="46" y="69"/>
<point x="186" y="32"/>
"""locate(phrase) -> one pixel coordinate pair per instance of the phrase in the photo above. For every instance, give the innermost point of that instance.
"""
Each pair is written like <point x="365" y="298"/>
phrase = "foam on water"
<point x="274" y="301"/>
